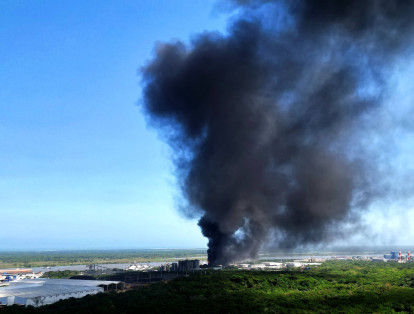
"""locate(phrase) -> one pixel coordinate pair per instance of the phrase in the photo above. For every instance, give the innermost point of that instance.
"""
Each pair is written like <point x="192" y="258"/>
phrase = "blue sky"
<point x="79" y="167"/>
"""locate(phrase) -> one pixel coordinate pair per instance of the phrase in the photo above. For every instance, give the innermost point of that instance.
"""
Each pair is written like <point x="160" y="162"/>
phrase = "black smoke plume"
<point x="268" y="122"/>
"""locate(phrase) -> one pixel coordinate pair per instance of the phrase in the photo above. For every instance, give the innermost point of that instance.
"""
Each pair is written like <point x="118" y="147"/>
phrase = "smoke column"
<point x="267" y="123"/>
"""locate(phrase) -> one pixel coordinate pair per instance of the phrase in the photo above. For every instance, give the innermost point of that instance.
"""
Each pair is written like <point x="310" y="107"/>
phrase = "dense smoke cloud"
<point x="267" y="122"/>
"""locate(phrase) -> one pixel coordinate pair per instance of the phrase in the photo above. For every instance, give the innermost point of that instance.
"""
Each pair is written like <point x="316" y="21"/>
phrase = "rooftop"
<point x="42" y="291"/>
<point x="29" y="288"/>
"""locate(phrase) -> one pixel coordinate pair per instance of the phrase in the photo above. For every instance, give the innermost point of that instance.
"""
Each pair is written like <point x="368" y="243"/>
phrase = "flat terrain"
<point x="334" y="287"/>
<point x="58" y="258"/>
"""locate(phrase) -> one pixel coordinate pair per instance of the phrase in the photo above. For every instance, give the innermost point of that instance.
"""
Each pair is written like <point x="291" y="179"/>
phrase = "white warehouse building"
<point x="40" y="292"/>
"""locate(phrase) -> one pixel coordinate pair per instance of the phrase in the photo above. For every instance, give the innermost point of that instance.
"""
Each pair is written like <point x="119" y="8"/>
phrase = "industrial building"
<point x="181" y="266"/>
<point x="174" y="266"/>
<point x="7" y="275"/>
<point x="274" y="265"/>
<point x="398" y="256"/>
<point x="188" y="265"/>
<point x="38" y="292"/>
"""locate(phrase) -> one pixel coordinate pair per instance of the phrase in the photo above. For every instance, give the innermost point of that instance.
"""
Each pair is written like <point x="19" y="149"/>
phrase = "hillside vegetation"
<point x="336" y="286"/>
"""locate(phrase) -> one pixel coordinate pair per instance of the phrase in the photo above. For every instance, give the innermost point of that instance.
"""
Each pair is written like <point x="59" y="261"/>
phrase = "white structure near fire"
<point x="274" y="265"/>
<point x="136" y="267"/>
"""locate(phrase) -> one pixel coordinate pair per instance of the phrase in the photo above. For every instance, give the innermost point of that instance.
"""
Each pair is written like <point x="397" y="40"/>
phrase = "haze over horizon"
<point x="80" y="168"/>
